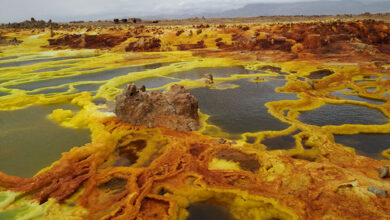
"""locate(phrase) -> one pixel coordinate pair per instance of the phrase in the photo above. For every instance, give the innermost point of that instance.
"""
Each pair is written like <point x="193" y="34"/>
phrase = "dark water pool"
<point x="319" y="74"/>
<point x="370" y="145"/>
<point x="97" y="76"/>
<point x="283" y="142"/>
<point x="215" y="71"/>
<point x="30" y="142"/>
<point x="331" y="114"/>
<point x="242" y="109"/>
<point x="201" y="211"/>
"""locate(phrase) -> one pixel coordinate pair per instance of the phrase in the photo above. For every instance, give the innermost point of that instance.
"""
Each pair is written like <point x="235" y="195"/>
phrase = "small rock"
<point x="384" y="171"/>
<point x="14" y="41"/>
<point x="143" y="88"/>
<point x="378" y="191"/>
<point x="131" y="89"/>
<point x="208" y="78"/>
<point x="220" y="141"/>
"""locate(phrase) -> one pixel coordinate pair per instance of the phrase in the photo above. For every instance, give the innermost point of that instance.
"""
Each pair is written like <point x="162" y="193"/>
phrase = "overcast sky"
<point x="60" y="10"/>
<point x="67" y="10"/>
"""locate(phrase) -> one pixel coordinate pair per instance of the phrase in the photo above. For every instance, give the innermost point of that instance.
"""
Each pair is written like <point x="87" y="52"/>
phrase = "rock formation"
<point x="208" y="78"/>
<point x="145" y="44"/>
<point x="176" y="109"/>
<point x="88" y="41"/>
<point x="384" y="171"/>
<point x="198" y="45"/>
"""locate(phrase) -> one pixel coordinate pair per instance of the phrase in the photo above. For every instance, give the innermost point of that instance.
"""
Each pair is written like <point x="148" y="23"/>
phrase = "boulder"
<point x="384" y="171"/>
<point x="176" y="109"/>
<point x="378" y="191"/>
<point x="145" y="44"/>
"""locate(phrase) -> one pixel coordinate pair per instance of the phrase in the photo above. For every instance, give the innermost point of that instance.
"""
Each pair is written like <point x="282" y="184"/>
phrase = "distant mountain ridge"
<point x="307" y="8"/>
<point x="327" y="7"/>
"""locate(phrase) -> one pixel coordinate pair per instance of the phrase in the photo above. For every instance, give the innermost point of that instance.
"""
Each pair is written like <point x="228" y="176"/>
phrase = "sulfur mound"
<point x="176" y="109"/>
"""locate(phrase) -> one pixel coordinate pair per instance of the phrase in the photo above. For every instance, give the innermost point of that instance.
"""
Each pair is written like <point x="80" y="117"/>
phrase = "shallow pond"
<point x="8" y="58"/>
<point x="319" y="74"/>
<point x="370" y="145"/>
<point x="357" y="98"/>
<point x="217" y="72"/>
<point x="242" y="109"/>
<point x="283" y="142"/>
<point x="47" y="91"/>
<point x="331" y="114"/>
<point x="97" y="76"/>
<point x="30" y="142"/>
<point x="200" y="211"/>
<point x="87" y="87"/>
<point x="31" y="62"/>
<point x="153" y="82"/>
<point x="50" y="69"/>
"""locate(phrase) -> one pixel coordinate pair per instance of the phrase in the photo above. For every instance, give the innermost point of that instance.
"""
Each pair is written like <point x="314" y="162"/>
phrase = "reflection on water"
<point x="200" y="211"/>
<point x="370" y="145"/>
<point x="215" y="71"/>
<point x="30" y="142"/>
<point x="242" y="109"/>
<point x="357" y="98"/>
<point x="3" y="94"/>
<point x="97" y="76"/>
<point x="331" y="114"/>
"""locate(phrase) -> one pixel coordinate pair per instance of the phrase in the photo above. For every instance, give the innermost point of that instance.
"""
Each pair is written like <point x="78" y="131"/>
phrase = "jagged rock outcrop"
<point x="176" y="109"/>
<point x="88" y="41"/>
<point x="198" y="45"/>
<point x="31" y="24"/>
<point x="13" y="41"/>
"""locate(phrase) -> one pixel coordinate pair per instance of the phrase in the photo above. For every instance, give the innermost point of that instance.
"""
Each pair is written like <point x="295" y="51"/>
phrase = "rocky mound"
<point x="31" y="24"/>
<point x="87" y="41"/>
<point x="145" y="44"/>
<point x="176" y="109"/>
